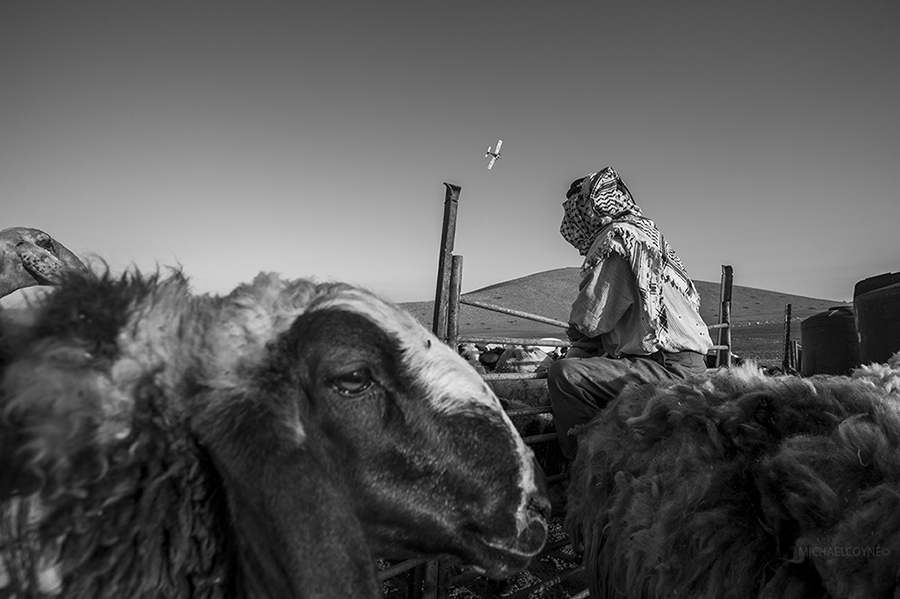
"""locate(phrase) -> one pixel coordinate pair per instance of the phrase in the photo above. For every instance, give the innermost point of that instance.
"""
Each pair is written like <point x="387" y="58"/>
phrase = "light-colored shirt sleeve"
<point x="607" y="292"/>
<point x="609" y="309"/>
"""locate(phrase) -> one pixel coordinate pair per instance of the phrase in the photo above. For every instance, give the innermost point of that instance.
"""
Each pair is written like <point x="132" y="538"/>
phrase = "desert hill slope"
<point x="757" y="314"/>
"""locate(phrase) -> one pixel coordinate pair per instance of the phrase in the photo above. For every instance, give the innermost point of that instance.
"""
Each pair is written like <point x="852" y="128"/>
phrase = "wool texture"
<point x="740" y="485"/>
<point x="105" y="470"/>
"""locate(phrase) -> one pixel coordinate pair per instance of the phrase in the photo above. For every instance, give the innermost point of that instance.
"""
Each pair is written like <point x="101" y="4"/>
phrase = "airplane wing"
<point x="499" y="143"/>
<point x="491" y="163"/>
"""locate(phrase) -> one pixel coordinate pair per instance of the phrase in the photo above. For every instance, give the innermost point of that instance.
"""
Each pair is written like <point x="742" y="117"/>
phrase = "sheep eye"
<point x="353" y="382"/>
<point x="44" y="242"/>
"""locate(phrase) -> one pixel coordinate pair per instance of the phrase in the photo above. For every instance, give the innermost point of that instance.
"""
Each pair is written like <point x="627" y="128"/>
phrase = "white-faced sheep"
<point x="269" y="443"/>
<point x="31" y="257"/>
<point x="741" y="485"/>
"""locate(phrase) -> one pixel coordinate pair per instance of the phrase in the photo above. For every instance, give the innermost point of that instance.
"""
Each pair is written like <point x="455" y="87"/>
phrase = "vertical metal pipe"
<point x="448" y="233"/>
<point x="453" y="307"/>
<point x="786" y="356"/>
<point x="724" y="334"/>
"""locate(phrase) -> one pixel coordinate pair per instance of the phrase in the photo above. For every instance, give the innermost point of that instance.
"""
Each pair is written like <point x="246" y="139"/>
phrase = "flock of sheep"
<point x="274" y="441"/>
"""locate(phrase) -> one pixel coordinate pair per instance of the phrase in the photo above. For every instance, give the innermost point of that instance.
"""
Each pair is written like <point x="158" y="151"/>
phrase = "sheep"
<point x="742" y="485"/>
<point x="269" y="443"/>
<point x="886" y="376"/>
<point x="482" y="357"/>
<point x="471" y="354"/>
<point x="523" y="359"/>
<point x="502" y="358"/>
<point x="31" y="257"/>
<point x="554" y="347"/>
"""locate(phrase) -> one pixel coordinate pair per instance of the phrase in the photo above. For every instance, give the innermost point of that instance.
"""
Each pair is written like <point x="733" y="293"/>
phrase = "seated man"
<point x="636" y="303"/>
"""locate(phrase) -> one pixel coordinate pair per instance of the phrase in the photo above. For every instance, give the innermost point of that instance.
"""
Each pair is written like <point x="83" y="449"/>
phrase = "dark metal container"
<point x="830" y="344"/>
<point x="876" y="302"/>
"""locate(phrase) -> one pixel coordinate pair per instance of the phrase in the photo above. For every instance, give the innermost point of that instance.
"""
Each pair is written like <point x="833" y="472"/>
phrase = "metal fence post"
<point x="724" y="334"/>
<point x="786" y="362"/>
<point x="453" y="305"/>
<point x="448" y="233"/>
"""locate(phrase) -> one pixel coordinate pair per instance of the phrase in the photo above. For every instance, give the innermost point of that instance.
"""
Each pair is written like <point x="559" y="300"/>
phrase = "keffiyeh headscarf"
<point x="599" y="208"/>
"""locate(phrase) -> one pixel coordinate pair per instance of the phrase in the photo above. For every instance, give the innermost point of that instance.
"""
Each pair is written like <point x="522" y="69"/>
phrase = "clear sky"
<point x="313" y="138"/>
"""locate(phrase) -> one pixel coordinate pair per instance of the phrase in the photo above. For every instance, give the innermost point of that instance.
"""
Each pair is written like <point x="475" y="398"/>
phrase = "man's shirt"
<point x="609" y="307"/>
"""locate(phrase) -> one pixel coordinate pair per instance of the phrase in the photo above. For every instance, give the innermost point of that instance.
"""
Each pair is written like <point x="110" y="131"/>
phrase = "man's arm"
<point x="606" y="292"/>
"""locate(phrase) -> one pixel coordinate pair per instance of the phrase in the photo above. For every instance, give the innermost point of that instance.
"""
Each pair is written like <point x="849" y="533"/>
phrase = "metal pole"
<point x="522" y="341"/>
<point x="786" y="356"/>
<point x="512" y="312"/>
<point x="453" y="304"/>
<point x="513" y="376"/>
<point x="448" y="233"/>
<point x="400" y="568"/>
<point x="724" y="333"/>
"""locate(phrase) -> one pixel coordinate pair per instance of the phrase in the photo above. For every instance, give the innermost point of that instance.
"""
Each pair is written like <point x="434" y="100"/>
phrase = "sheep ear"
<point x="238" y="414"/>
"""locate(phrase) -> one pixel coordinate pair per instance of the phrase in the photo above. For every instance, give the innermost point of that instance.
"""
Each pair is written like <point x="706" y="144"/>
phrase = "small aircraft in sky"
<point x="495" y="155"/>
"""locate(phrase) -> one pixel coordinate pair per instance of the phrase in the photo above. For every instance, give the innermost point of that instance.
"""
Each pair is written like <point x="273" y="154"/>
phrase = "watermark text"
<point x="841" y="551"/>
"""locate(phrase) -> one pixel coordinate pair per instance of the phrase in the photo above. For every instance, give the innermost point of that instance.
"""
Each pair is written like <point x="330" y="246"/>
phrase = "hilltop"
<point x="757" y="314"/>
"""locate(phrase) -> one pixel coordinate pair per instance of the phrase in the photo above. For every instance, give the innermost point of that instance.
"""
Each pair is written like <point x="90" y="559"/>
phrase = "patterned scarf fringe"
<point x="653" y="266"/>
<point x="675" y="274"/>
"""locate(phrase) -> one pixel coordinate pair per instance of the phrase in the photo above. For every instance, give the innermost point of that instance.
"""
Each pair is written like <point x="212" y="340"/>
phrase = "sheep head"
<point x="353" y="380"/>
<point x="31" y="257"/>
<point x="300" y="429"/>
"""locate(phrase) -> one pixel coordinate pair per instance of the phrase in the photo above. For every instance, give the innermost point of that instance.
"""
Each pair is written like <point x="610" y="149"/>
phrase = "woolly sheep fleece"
<point x="740" y="485"/>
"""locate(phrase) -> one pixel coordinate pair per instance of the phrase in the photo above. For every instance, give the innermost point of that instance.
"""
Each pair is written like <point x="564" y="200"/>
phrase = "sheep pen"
<point x="742" y="485"/>
<point x="269" y="443"/>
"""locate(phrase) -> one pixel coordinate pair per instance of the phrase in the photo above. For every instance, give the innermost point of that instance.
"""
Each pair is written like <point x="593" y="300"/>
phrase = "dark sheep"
<point x="269" y="443"/>
<point x="743" y="486"/>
